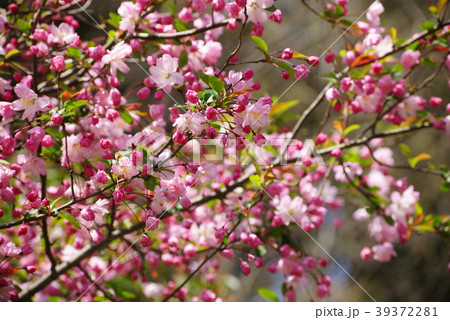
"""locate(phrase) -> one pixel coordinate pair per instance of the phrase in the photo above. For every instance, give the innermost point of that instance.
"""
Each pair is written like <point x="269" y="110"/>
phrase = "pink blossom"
<point x="130" y="15"/>
<point x="410" y="106"/>
<point x="124" y="168"/>
<point x="64" y="34"/>
<point x="301" y="72"/>
<point x="383" y="252"/>
<point x="29" y="102"/>
<point x="164" y="73"/>
<point x="374" y="12"/>
<point x="192" y="121"/>
<point x="409" y="59"/>
<point x="332" y="94"/>
<point x="255" y="10"/>
<point x="58" y="63"/>
<point x="115" y="58"/>
<point x="292" y="209"/>
<point x="352" y="169"/>
<point x="403" y="204"/>
<point x="4" y="85"/>
<point x="257" y="114"/>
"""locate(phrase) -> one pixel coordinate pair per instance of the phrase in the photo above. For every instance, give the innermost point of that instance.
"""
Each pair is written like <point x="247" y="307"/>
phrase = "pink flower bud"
<point x="180" y="137"/>
<point x="30" y="269"/>
<point x="207" y="296"/>
<point x="143" y="93"/>
<point x="211" y="113"/>
<point x="189" y="250"/>
<point x="276" y="16"/>
<point x="227" y="253"/>
<point x="287" y="54"/>
<point x="254" y="241"/>
<point x="159" y="94"/>
<point x="332" y="94"/>
<point x="241" y="3"/>
<point x="323" y="290"/>
<point x="105" y="144"/>
<point x="313" y="60"/>
<point x="321" y="138"/>
<point x="119" y="195"/>
<point x="211" y="133"/>
<point x="192" y="96"/>
<point x="435" y="102"/>
<point x="245" y="268"/>
<point x="58" y="64"/>
<point x="32" y="196"/>
<point x="47" y="141"/>
<point x="336" y="153"/>
<point x="248" y="74"/>
<point x="365" y="253"/>
<point x="329" y="57"/>
<point x="259" y="139"/>
<point x="301" y="72"/>
<point x="185" y="202"/>
<point x="96" y="236"/>
<point x="152" y="223"/>
<point x="55" y="120"/>
<point x="145" y="241"/>
<point x="220" y="234"/>
<point x="22" y="230"/>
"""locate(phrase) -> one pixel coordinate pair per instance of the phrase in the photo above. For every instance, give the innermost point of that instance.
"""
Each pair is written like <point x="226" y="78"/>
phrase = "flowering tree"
<point x="103" y="199"/>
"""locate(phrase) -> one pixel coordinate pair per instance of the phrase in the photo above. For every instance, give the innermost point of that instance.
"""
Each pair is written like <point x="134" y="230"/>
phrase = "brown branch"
<point x="181" y="34"/>
<point x="46" y="279"/>
<point x="106" y="293"/>
<point x="208" y="257"/>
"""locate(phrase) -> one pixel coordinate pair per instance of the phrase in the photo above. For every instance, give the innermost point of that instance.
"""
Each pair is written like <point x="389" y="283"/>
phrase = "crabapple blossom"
<point x="29" y="102"/>
<point x="165" y="74"/>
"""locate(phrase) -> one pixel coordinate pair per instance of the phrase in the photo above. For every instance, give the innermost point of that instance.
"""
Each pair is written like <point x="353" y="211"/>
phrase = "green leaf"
<point x="100" y="299"/>
<point x="339" y="11"/>
<point x="268" y="294"/>
<point x="285" y="67"/>
<point x="405" y="150"/>
<point x="179" y="25"/>
<point x="74" y="53"/>
<point x="216" y="84"/>
<point x="388" y="219"/>
<point x="281" y="107"/>
<point x="71" y="219"/>
<point x="114" y="20"/>
<point x="256" y="179"/>
<point x="71" y="105"/>
<point x="53" y="204"/>
<point x="351" y="128"/>
<point x="151" y="183"/>
<point x="126" y="116"/>
<point x="183" y="59"/>
<point x="23" y="25"/>
<point x="11" y="53"/>
<point x="261" y="250"/>
<point x="260" y="43"/>
<point x="204" y="77"/>
<point x="427" y="25"/>
<point x="210" y="96"/>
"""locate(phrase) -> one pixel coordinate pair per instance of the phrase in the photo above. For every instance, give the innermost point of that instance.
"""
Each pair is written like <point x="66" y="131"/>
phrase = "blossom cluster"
<point x="118" y="183"/>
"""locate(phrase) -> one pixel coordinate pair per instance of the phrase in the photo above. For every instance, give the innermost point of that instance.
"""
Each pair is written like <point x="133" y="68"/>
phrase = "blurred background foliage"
<point x="419" y="273"/>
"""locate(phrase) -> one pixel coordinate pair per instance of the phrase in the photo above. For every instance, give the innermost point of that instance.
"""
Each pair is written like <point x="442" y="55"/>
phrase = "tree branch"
<point x="181" y="34"/>
<point x="45" y="280"/>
